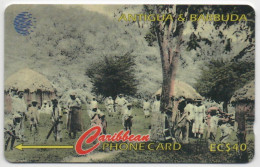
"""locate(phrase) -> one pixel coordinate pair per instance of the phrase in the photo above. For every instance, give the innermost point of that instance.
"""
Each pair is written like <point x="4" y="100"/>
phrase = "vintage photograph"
<point x="129" y="83"/>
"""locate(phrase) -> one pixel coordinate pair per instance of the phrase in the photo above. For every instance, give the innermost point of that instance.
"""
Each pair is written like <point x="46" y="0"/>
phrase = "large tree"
<point x="169" y="36"/>
<point x="219" y="79"/>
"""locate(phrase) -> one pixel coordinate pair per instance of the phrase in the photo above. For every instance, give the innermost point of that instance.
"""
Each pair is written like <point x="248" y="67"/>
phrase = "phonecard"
<point x="129" y="83"/>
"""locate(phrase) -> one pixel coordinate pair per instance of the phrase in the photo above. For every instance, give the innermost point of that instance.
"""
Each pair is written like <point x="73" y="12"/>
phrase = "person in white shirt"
<point x="93" y="103"/>
<point x="120" y="104"/>
<point x="146" y="108"/>
<point x="127" y="117"/>
<point x="46" y="108"/>
<point x="156" y="104"/>
<point x="110" y="106"/>
<point x="199" y="119"/>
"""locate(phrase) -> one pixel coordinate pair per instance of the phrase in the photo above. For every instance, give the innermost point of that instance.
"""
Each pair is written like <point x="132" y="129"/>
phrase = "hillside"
<point x="67" y="39"/>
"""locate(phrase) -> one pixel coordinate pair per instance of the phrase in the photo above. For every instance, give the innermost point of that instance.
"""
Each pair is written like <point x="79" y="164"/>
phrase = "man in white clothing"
<point x="146" y="108"/>
<point x="199" y="119"/>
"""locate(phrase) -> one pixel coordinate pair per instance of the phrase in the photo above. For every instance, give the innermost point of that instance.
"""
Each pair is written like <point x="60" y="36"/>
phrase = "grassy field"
<point x="196" y="152"/>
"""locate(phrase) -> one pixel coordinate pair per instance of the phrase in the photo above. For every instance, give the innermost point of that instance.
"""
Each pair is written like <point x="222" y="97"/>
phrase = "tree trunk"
<point x="169" y="67"/>
<point x="225" y="107"/>
<point x="170" y="53"/>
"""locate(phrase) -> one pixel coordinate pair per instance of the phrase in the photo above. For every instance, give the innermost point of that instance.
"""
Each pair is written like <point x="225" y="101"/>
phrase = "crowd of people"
<point x="189" y="118"/>
<point x="15" y="121"/>
<point x="185" y="118"/>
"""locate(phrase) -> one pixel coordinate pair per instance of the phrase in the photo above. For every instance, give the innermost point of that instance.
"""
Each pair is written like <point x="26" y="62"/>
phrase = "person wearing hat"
<point x="156" y="104"/>
<point x="120" y="103"/>
<point x="146" y="108"/>
<point x="75" y="117"/>
<point x="9" y="133"/>
<point x="110" y="106"/>
<point x="33" y="116"/>
<point x="199" y="119"/>
<point x="182" y="127"/>
<point x="127" y="117"/>
<point x="56" y="120"/>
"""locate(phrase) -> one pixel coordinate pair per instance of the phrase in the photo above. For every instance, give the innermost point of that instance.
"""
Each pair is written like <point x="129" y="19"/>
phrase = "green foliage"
<point x="220" y="79"/>
<point x="193" y="43"/>
<point x="228" y="45"/>
<point x="113" y="75"/>
<point x="150" y="37"/>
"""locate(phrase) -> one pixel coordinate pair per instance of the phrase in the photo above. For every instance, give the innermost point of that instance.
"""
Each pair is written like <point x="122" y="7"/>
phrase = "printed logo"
<point x="117" y="137"/>
<point x="24" y="23"/>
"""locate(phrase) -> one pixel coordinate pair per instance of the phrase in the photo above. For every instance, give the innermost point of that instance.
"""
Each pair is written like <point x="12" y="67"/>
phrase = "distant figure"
<point x="156" y="104"/>
<point x="120" y="104"/>
<point x="146" y="108"/>
<point x="46" y="108"/>
<point x="9" y="133"/>
<point x="74" y="117"/>
<point x="21" y="103"/>
<point x="18" y="126"/>
<point x="189" y="109"/>
<point x="226" y="125"/>
<point x="22" y="110"/>
<point x="56" y="120"/>
<point x="127" y="117"/>
<point x="15" y="101"/>
<point x="93" y="112"/>
<point x="199" y="121"/>
<point x="212" y="121"/>
<point x="98" y="119"/>
<point x="110" y="106"/>
<point x="33" y="116"/>
<point x="93" y="103"/>
<point x="182" y="125"/>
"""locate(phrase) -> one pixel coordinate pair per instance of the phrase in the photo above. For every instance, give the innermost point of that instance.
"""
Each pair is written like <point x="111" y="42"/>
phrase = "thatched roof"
<point x="247" y="93"/>
<point x="28" y="79"/>
<point x="182" y="89"/>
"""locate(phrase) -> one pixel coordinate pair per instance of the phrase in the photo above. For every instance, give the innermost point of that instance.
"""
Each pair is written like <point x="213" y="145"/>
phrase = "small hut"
<point x="247" y="93"/>
<point x="244" y="101"/>
<point x="34" y="85"/>
<point x="181" y="89"/>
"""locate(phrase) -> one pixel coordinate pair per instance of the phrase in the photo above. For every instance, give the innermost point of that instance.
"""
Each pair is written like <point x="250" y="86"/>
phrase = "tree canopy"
<point x="113" y="75"/>
<point x="219" y="79"/>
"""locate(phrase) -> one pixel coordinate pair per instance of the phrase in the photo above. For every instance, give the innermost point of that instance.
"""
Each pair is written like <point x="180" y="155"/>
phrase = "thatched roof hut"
<point x="34" y="85"/>
<point x="247" y="93"/>
<point x="244" y="100"/>
<point x="28" y="79"/>
<point x="182" y="89"/>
